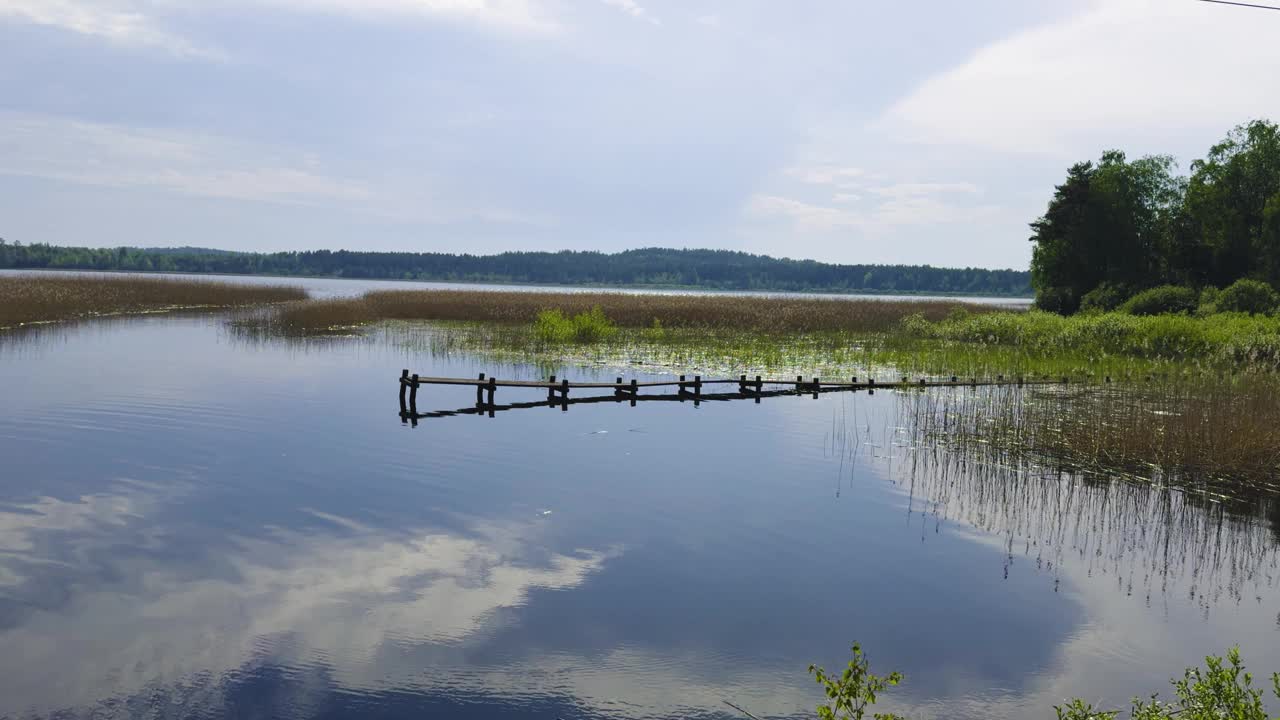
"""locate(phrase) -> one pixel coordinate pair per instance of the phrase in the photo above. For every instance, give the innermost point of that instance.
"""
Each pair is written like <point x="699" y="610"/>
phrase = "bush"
<point x="1162" y="300"/>
<point x="1104" y="298"/>
<point x="1209" y="300"/>
<point x="553" y="326"/>
<point x="1057" y="300"/>
<point x="1248" y="296"/>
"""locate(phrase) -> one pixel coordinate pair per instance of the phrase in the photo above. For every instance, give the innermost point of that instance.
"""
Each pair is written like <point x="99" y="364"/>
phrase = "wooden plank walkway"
<point x="686" y="389"/>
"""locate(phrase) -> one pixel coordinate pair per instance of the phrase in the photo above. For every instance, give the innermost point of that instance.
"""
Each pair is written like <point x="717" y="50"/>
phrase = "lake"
<point x="341" y="287"/>
<point x="194" y="524"/>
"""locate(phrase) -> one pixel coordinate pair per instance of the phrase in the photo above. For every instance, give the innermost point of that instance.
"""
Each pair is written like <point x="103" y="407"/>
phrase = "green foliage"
<point x="1228" y="339"/>
<point x="1221" y="691"/>
<point x="1162" y="300"/>
<point x="1105" y="297"/>
<point x="1135" y="223"/>
<point x="1106" y="224"/>
<point x="853" y="691"/>
<point x="554" y="327"/>
<point x="1231" y="204"/>
<point x="716" y="269"/>
<point x="1248" y="296"/>
<point x="1078" y="709"/>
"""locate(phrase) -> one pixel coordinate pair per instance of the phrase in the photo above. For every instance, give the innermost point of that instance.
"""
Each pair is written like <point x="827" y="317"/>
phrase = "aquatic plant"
<point x="554" y="327"/>
<point x="41" y="298"/>
<point x="757" y="314"/>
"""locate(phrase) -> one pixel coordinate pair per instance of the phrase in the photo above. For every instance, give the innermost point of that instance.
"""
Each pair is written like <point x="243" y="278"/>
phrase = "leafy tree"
<point x="1233" y="200"/>
<point x="1112" y="222"/>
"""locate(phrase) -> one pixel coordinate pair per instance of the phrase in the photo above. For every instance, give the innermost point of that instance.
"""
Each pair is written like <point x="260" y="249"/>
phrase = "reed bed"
<point x="777" y="314"/>
<point x="1218" y="437"/>
<point x="38" y="298"/>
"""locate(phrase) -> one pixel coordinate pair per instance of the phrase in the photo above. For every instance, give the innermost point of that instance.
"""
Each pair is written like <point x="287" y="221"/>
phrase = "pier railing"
<point x="685" y="389"/>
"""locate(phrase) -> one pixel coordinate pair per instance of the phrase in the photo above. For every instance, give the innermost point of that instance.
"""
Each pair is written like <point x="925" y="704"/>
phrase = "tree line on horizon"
<point x="1118" y="229"/>
<point x="710" y="269"/>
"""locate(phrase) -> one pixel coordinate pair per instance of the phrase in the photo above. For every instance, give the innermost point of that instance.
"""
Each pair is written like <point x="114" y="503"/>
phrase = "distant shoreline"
<point x="513" y="283"/>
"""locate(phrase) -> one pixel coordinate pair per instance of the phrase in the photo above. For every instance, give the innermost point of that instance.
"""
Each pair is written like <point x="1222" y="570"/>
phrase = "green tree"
<point x="1112" y="222"/>
<point x="1232" y="204"/>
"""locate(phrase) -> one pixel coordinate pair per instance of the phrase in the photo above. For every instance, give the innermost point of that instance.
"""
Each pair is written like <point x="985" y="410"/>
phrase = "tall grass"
<point x="778" y="314"/>
<point x="1190" y="434"/>
<point x="40" y="298"/>
<point x="1234" y="339"/>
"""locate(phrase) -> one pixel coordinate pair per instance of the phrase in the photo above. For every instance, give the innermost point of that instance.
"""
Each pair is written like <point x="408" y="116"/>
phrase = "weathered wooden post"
<point x="816" y="386"/>
<point x="493" y="386"/>
<point x="680" y="391"/>
<point x="564" y="395"/>
<point x="635" y="392"/>
<point x="697" y="386"/>
<point x="480" y="392"/>
<point x="617" y="389"/>
<point x="759" y="387"/>
<point x="404" y="388"/>
<point x="742" y="384"/>
<point x="413" y="395"/>
<point x="551" y="391"/>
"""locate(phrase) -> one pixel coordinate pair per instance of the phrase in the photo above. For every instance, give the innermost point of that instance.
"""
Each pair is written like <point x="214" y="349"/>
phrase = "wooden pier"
<point x="685" y="389"/>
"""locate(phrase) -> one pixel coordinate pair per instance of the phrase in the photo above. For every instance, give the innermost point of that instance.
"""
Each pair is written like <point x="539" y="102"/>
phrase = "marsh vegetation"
<point x="27" y="299"/>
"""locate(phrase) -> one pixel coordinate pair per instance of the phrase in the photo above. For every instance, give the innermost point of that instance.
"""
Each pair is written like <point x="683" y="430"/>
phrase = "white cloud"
<point x="804" y="216"/>
<point x="915" y="190"/>
<point x="837" y="175"/>
<point x="140" y="23"/>
<point x="632" y="8"/>
<point x="1121" y="69"/>
<point x="115" y="156"/>
<point x="901" y="205"/>
<point x="517" y="15"/>
<point x="119" y="23"/>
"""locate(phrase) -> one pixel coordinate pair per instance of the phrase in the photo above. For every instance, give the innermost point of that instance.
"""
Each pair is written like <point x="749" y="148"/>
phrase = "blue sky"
<point x="850" y="131"/>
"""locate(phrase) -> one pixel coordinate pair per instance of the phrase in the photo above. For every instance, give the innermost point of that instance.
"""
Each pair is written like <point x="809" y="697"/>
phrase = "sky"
<point x="844" y="131"/>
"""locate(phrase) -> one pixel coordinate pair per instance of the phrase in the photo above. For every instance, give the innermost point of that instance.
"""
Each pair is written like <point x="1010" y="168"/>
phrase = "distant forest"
<point x="711" y="269"/>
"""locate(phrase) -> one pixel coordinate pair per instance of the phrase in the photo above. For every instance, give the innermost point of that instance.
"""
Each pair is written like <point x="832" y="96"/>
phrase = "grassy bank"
<point x="38" y="299"/>
<point x="1224" y="340"/>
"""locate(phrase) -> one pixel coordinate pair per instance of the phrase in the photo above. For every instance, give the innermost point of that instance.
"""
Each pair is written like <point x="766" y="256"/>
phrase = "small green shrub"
<point x="1218" y="692"/>
<point x="1248" y="296"/>
<point x="1104" y="298"/>
<point x="1165" y="299"/>
<point x="852" y="692"/>
<point x="554" y="327"/>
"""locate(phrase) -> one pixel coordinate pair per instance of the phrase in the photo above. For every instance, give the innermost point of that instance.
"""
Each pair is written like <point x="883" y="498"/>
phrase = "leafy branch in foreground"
<point x="1221" y="691"/>
<point x="850" y="693"/>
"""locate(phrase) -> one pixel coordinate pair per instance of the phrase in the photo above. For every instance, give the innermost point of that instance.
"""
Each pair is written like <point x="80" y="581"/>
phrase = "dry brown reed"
<point x="777" y="314"/>
<point x="1168" y="431"/>
<point x="26" y="299"/>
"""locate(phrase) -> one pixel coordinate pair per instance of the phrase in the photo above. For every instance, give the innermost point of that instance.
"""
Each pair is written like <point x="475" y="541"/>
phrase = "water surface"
<point x="195" y="525"/>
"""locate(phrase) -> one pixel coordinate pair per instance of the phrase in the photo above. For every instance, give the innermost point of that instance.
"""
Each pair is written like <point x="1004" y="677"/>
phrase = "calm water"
<point x="336" y="287"/>
<point x="193" y="525"/>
